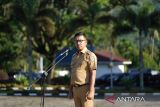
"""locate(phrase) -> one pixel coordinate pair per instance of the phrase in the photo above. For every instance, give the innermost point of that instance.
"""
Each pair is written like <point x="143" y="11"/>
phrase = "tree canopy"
<point x="43" y="27"/>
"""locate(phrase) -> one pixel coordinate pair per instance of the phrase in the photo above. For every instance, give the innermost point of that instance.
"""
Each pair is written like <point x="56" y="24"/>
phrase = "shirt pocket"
<point x="84" y="64"/>
<point x="76" y="65"/>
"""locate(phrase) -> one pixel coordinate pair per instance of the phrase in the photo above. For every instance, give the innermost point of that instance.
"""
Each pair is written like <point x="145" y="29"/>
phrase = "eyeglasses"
<point x="76" y="41"/>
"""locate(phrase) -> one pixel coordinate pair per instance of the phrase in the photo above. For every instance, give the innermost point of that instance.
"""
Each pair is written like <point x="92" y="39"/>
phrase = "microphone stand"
<point x="44" y="75"/>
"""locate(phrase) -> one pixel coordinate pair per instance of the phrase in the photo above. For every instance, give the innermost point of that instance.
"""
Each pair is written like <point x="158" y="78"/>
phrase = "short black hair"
<point x="80" y="34"/>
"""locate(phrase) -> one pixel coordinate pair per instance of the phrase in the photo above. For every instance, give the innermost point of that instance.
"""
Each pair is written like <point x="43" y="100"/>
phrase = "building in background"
<point x="107" y="62"/>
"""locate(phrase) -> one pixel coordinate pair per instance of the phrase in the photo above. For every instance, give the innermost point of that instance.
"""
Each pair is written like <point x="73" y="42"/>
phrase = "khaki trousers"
<point x="79" y="95"/>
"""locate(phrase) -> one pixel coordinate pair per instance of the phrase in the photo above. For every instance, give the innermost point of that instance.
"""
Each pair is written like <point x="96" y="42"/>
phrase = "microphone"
<point x="61" y="54"/>
<point x="53" y="64"/>
<point x="67" y="50"/>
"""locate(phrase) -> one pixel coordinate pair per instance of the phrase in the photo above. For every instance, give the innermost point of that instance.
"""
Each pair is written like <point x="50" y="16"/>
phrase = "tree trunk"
<point x="152" y="53"/>
<point x="50" y="70"/>
<point x="111" y="67"/>
<point x="30" y="58"/>
<point x="141" y="33"/>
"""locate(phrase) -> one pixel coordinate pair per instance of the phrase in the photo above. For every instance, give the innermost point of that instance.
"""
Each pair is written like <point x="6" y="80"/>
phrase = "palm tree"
<point x="10" y="39"/>
<point x="153" y="36"/>
<point x="24" y="13"/>
<point x="47" y="25"/>
<point x="143" y="18"/>
<point x="139" y="16"/>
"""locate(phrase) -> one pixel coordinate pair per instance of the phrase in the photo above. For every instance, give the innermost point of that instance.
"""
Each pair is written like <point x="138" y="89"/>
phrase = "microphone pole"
<point x="52" y="65"/>
<point x="64" y="53"/>
<point x="44" y="75"/>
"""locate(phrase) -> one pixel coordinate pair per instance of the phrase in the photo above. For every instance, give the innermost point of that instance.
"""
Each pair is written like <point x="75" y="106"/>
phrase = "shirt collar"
<point x="83" y="51"/>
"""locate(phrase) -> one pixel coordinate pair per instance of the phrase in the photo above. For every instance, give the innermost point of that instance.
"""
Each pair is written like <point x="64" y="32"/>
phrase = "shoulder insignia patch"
<point x="92" y="58"/>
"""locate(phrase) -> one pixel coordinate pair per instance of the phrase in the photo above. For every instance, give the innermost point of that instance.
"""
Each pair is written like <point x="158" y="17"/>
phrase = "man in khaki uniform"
<point x="83" y="65"/>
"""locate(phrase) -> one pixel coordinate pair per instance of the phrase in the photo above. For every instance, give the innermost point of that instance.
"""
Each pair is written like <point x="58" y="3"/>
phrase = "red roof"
<point x="104" y="55"/>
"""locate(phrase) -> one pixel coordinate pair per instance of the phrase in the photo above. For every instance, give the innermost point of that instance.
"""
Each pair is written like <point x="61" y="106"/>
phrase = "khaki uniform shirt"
<point x="82" y="63"/>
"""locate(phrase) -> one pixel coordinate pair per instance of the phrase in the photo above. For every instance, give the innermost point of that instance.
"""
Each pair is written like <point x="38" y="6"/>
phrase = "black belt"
<point x="77" y="85"/>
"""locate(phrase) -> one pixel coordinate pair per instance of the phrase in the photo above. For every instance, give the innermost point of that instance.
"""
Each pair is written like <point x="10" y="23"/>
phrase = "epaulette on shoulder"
<point x="88" y="52"/>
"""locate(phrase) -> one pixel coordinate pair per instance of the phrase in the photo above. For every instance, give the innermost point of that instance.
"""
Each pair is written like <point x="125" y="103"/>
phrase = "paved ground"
<point x="12" y="101"/>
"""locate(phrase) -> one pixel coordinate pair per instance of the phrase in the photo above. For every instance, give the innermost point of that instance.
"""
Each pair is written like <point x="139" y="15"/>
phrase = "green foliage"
<point x="10" y="48"/>
<point x="30" y="7"/>
<point x="50" y="26"/>
<point x="103" y="3"/>
<point x="128" y="49"/>
<point x="12" y="44"/>
<point x="21" y="79"/>
<point x="149" y="62"/>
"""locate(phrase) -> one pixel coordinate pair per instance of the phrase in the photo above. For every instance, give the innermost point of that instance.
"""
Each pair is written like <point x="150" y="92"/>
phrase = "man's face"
<point x="80" y="42"/>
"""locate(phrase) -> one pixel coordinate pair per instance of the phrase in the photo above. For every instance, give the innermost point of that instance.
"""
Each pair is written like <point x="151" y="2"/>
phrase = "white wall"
<point x="104" y="69"/>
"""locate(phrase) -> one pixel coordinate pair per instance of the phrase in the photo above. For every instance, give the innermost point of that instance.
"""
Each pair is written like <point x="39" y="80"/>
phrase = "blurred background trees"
<point x="33" y="28"/>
